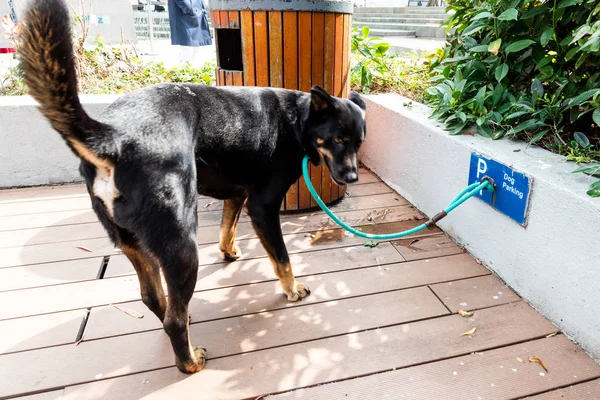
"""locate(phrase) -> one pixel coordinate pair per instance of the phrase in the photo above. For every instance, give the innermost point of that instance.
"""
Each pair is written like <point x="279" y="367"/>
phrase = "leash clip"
<point x="436" y="218"/>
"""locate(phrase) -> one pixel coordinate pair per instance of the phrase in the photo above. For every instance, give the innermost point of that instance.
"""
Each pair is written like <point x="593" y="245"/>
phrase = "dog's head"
<point x="334" y="130"/>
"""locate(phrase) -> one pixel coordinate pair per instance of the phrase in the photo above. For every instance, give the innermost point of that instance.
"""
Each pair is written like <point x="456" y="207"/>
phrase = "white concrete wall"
<point x="31" y="152"/>
<point x="554" y="263"/>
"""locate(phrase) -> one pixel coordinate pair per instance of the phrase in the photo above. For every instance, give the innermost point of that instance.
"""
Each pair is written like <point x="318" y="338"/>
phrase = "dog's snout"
<point x="350" y="177"/>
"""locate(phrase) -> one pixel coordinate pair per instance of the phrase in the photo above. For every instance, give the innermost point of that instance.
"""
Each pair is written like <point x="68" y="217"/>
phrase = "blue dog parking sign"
<point x="511" y="196"/>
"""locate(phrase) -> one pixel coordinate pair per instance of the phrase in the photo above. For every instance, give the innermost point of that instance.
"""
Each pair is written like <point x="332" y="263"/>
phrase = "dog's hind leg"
<point x="148" y="272"/>
<point x="232" y="209"/>
<point x="265" y="220"/>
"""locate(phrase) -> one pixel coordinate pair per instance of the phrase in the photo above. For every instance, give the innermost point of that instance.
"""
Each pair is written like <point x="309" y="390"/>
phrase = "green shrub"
<point x="374" y="70"/>
<point x="524" y="69"/>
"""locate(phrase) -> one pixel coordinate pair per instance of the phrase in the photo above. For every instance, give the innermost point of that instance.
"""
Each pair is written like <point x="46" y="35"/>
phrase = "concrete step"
<point x="421" y="30"/>
<point x="396" y="10"/>
<point x="399" y="15"/>
<point x="398" y="20"/>
<point x="392" y="32"/>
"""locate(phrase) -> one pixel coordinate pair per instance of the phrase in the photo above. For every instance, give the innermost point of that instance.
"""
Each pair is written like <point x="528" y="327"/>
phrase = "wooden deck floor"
<point x="381" y="322"/>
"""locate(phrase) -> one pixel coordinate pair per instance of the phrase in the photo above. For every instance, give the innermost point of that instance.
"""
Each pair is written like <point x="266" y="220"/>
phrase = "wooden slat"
<point x="215" y="18"/>
<point x="338" y="55"/>
<point x="218" y="76"/>
<point x="274" y="370"/>
<point x="239" y="300"/>
<point x="261" y="48"/>
<point x="369" y="189"/>
<point x="366" y="176"/>
<point x="582" y="391"/>
<point x="41" y="331"/>
<point x="470" y="377"/>
<point x="252" y="271"/>
<point x="247" y="26"/>
<point x="304" y="83"/>
<point x="317" y="78"/>
<point x="485" y="291"/>
<point x="222" y="77"/>
<point x="223" y="19"/>
<point x="275" y="49"/>
<point x="53" y="395"/>
<point x="290" y="50"/>
<point x="238" y="78"/>
<point x="432" y="246"/>
<point x="234" y="19"/>
<point x="228" y="78"/>
<point x="46" y="219"/>
<point x="41" y="193"/>
<point x="47" y="206"/>
<point x="52" y="234"/>
<point x="63" y="251"/>
<point x="346" y="55"/>
<point x="49" y="274"/>
<point x="329" y="86"/>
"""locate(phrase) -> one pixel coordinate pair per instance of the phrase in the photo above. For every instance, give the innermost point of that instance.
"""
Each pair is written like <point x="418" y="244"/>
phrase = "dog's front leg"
<point x="265" y="220"/>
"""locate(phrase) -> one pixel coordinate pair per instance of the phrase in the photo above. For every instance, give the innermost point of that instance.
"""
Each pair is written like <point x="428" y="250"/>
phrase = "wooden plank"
<point x="234" y="19"/>
<point x="369" y="189"/>
<point x="228" y="78"/>
<point x="223" y="19"/>
<point x="275" y="49"/>
<point x="583" y="391"/>
<point x="346" y="55"/>
<point x="366" y="176"/>
<point x="41" y="193"/>
<point x="47" y="219"/>
<point x="472" y="376"/>
<point x="251" y="271"/>
<point x="41" y="331"/>
<point x="485" y="291"/>
<point x="329" y="53"/>
<point x="238" y="78"/>
<point x="236" y="301"/>
<point x="338" y="55"/>
<point x="429" y="247"/>
<point x="50" y="299"/>
<point x="52" y="252"/>
<point x="305" y="39"/>
<point x="215" y="18"/>
<point x="261" y="48"/>
<point x="53" y="395"/>
<point x="290" y="50"/>
<point x="223" y="338"/>
<point x="47" y="206"/>
<point x="222" y="77"/>
<point x="247" y="26"/>
<point x="299" y="365"/>
<point x="51" y="234"/>
<point x="49" y="274"/>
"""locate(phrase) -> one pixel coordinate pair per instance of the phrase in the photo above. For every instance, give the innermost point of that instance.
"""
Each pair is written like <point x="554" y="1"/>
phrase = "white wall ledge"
<point x="553" y="263"/>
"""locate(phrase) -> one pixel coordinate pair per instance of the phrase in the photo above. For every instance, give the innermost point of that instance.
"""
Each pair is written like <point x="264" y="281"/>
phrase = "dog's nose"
<point x="350" y="177"/>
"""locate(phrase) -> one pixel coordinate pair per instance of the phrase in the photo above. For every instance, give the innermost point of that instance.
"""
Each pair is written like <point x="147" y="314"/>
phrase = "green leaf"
<point x="596" y="116"/>
<point x="594" y="190"/>
<point x="509" y="15"/>
<point x="546" y="36"/>
<point x="589" y="169"/>
<point x="529" y="125"/>
<point x="365" y="31"/>
<point x="519" y="45"/>
<point x="494" y="47"/>
<point x="581" y="32"/>
<point x="581" y="139"/>
<point x="571" y="53"/>
<point x="517" y="114"/>
<point x="568" y="3"/>
<point x="536" y="10"/>
<point x="458" y="129"/>
<point x="585" y="96"/>
<point x="482" y="15"/>
<point x="498" y="92"/>
<point x="537" y="88"/>
<point x="479" y="49"/>
<point x="501" y="72"/>
<point x="539" y="136"/>
<point x="475" y="27"/>
<point x="371" y="244"/>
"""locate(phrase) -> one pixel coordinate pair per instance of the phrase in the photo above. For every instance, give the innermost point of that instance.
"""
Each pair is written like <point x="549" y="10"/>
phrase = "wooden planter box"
<point x="289" y="44"/>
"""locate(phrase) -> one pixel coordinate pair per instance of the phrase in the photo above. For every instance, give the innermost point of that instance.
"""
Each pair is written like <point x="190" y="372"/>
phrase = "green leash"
<point x="485" y="184"/>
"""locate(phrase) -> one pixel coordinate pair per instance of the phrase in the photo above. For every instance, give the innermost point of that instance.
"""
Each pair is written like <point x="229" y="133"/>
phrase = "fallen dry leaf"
<point x="519" y="359"/>
<point x="552" y="335"/>
<point x="84" y="249"/>
<point x="413" y="242"/>
<point x="465" y="314"/>
<point x="469" y="133"/>
<point x="129" y="311"/>
<point x="478" y="261"/>
<point x="209" y="204"/>
<point x="468" y="333"/>
<point x="537" y="360"/>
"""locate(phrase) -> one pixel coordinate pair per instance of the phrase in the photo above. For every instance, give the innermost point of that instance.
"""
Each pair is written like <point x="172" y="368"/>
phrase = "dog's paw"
<point x="299" y="293"/>
<point x="191" y="367"/>
<point x="231" y="255"/>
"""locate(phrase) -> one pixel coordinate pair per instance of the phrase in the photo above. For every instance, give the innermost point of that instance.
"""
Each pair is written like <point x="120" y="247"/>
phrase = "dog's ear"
<point x="356" y="99"/>
<point x="320" y="100"/>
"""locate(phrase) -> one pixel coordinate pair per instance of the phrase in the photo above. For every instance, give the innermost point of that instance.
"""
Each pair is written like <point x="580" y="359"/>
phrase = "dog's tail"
<point x="45" y="49"/>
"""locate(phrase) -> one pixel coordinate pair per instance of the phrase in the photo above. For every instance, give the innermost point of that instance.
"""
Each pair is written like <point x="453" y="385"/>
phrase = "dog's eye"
<point x="338" y="140"/>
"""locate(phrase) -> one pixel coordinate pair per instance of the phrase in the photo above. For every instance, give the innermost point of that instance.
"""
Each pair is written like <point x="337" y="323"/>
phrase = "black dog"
<point x="153" y="150"/>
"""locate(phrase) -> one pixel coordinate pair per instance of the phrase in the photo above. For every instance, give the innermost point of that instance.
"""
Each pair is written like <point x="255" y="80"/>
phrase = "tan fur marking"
<point x="320" y="141"/>
<point x="325" y="153"/>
